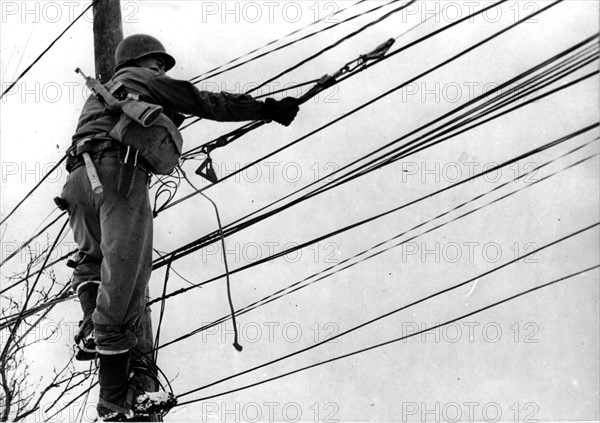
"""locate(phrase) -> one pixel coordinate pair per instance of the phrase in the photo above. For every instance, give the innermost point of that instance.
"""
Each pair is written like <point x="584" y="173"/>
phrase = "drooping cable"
<point x="236" y="344"/>
<point x="348" y="263"/>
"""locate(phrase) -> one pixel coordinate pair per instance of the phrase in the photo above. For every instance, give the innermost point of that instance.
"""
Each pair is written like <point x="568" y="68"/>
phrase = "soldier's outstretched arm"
<point x="184" y="97"/>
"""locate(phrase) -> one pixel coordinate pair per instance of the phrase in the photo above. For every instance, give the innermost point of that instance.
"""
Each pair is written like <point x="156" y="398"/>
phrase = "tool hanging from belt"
<point x="83" y="148"/>
<point x="129" y="158"/>
<point x="206" y="169"/>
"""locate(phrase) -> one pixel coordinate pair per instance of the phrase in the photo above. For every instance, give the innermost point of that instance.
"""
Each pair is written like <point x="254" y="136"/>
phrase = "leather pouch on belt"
<point x="160" y="145"/>
<point x="127" y="163"/>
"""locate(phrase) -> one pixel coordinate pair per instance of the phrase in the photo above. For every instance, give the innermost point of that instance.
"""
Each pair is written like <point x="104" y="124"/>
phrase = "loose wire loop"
<point x="236" y="344"/>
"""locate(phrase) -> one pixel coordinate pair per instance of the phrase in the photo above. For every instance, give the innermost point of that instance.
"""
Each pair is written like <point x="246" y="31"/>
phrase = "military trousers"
<point x="117" y="232"/>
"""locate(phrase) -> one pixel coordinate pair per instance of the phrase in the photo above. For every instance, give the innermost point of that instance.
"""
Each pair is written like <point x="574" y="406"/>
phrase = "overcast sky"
<point x="532" y="358"/>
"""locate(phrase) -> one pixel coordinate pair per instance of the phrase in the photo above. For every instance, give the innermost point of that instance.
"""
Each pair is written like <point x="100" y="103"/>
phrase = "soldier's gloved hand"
<point x="281" y="111"/>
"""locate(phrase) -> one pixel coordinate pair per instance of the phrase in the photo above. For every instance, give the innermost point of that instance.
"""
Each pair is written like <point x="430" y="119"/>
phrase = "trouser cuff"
<point x="114" y="339"/>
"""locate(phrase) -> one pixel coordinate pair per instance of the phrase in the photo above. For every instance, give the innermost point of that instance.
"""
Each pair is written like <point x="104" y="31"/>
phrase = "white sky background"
<point x="543" y="364"/>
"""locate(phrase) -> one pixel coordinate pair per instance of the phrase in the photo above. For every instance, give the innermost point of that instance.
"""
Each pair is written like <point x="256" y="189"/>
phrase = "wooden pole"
<point x="108" y="33"/>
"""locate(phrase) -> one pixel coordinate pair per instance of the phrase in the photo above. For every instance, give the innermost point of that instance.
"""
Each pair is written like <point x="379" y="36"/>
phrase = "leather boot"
<point x="115" y="396"/>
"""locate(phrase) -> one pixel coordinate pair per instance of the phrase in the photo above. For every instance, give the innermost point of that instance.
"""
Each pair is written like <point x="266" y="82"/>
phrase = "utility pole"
<point x="108" y="33"/>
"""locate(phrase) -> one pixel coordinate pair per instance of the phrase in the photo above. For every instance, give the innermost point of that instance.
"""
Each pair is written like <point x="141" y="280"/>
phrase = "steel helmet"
<point x="138" y="46"/>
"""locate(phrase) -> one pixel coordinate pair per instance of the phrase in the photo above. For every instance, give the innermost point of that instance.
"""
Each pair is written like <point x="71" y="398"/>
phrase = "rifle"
<point x="139" y="111"/>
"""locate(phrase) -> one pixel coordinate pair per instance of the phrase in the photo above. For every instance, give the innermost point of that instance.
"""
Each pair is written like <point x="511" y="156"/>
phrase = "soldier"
<point x="114" y="229"/>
